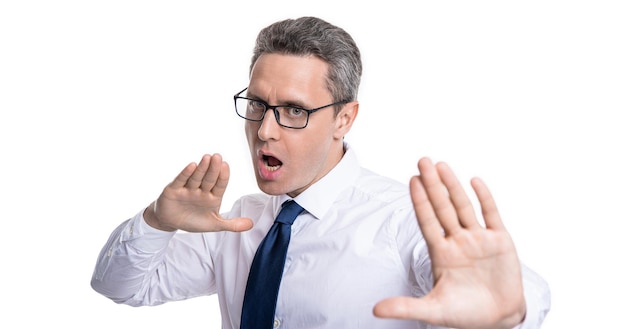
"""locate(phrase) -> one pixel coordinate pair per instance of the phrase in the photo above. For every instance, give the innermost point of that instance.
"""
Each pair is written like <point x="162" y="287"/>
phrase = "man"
<point x="362" y="241"/>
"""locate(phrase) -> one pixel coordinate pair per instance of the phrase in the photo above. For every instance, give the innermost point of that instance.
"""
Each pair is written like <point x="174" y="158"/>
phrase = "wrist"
<point x="150" y="217"/>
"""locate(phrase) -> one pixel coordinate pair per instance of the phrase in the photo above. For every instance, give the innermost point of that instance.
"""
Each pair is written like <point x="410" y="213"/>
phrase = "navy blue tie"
<point x="259" y="302"/>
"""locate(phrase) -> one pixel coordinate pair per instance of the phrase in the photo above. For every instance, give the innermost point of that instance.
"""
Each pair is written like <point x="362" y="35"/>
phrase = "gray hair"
<point x="313" y="36"/>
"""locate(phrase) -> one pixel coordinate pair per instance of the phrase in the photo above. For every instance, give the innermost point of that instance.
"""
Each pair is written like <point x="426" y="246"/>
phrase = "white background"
<point x="103" y="102"/>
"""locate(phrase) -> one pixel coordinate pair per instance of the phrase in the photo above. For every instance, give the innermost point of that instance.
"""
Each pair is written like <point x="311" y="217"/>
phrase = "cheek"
<point x="251" y="132"/>
<point x="312" y="152"/>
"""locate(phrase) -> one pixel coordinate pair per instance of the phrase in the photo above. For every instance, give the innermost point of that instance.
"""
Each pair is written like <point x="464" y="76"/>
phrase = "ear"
<point x="345" y="119"/>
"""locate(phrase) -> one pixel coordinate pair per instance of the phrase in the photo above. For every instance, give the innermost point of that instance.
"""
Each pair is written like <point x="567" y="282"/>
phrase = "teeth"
<point x="270" y="168"/>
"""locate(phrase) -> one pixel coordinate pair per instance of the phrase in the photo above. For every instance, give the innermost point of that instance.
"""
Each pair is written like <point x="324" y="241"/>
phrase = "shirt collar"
<point x="320" y="196"/>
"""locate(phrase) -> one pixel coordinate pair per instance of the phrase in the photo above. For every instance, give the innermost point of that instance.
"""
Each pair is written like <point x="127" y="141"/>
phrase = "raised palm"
<point x="192" y="201"/>
<point x="476" y="270"/>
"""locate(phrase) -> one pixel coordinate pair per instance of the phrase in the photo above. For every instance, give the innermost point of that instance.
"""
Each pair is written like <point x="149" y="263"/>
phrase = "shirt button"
<point x="287" y="263"/>
<point x="276" y="323"/>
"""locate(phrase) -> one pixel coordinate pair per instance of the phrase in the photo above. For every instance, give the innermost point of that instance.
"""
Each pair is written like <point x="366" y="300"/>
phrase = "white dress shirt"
<point x="357" y="243"/>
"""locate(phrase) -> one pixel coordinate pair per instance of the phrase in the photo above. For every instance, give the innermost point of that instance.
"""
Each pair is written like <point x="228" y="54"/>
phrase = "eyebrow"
<point x="292" y="103"/>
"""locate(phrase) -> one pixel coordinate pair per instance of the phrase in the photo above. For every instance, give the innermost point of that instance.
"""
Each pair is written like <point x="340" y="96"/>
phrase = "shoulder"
<point x="386" y="204"/>
<point x="375" y="196"/>
<point x="379" y="188"/>
<point x="249" y="204"/>
<point x="254" y="199"/>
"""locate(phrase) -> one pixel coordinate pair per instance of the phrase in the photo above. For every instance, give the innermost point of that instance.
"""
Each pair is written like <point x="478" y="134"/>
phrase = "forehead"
<point x="279" y="77"/>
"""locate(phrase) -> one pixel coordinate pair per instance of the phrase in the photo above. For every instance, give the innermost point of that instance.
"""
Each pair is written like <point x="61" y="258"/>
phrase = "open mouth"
<point x="271" y="163"/>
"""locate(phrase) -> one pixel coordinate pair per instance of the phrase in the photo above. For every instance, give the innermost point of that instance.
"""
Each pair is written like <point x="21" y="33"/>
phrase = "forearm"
<point x="128" y="263"/>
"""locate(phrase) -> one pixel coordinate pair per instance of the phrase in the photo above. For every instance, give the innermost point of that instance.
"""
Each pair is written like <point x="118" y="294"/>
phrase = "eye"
<point x="256" y="106"/>
<point x="295" y="112"/>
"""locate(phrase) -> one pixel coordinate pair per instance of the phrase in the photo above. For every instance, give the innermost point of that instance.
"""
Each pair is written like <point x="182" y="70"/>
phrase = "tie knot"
<point x="290" y="211"/>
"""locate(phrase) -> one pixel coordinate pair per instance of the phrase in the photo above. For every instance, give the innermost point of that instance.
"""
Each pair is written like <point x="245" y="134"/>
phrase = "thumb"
<point x="405" y="308"/>
<point x="238" y="224"/>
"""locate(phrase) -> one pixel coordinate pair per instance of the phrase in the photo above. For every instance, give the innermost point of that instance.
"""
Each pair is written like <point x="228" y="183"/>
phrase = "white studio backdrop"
<point x="103" y="103"/>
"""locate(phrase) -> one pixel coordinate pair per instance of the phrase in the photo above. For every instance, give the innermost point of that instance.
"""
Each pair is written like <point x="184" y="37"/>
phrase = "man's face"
<point x="288" y="161"/>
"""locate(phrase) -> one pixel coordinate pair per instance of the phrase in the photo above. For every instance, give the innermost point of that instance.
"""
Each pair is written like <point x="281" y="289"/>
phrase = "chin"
<point x="271" y="188"/>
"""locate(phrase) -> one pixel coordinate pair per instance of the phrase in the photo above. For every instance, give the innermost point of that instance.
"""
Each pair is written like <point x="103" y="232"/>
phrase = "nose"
<point x="269" y="128"/>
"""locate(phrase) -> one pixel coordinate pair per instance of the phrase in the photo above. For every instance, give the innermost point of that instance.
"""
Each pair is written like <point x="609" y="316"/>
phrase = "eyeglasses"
<point x="286" y="116"/>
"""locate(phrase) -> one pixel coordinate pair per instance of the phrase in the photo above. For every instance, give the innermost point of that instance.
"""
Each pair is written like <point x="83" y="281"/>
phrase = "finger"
<point x="213" y="171"/>
<point x="407" y="308"/>
<point x="195" y="180"/>
<point x="488" y="206"/>
<point x="183" y="176"/>
<point x="426" y="218"/>
<point x="462" y="204"/>
<point x="438" y="196"/>
<point x="222" y="180"/>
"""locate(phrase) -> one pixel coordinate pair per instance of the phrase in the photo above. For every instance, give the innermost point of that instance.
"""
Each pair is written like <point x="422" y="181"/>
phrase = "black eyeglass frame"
<point x="276" y="115"/>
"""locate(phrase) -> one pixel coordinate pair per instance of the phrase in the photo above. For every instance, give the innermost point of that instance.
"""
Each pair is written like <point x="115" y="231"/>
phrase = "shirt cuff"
<point x="144" y="237"/>
<point x="538" y="300"/>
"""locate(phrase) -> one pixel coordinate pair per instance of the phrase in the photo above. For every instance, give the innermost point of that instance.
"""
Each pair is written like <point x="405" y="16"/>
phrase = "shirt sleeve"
<point x="140" y="265"/>
<point x="538" y="299"/>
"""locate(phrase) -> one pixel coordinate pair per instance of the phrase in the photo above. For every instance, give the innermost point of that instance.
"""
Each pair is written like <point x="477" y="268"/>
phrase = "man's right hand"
<point x="192" y="201"/>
